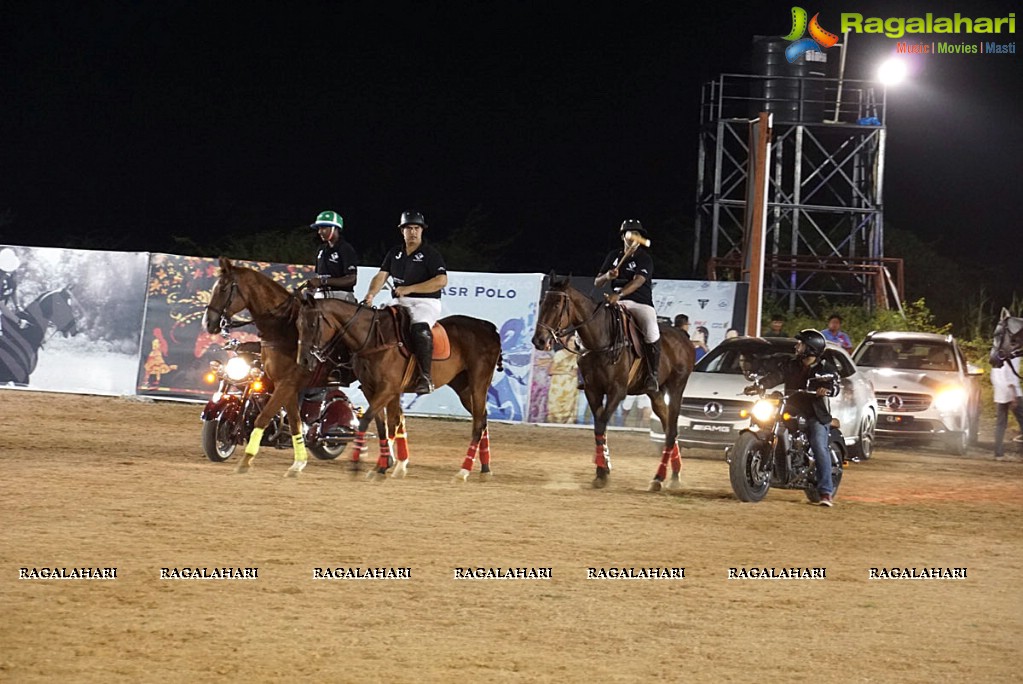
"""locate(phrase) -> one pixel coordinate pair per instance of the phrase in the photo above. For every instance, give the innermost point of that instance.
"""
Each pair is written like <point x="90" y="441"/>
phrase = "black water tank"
<point x="792" y="92"/>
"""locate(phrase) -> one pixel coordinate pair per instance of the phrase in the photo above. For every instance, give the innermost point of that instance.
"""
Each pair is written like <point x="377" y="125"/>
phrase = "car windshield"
<point x="725" y="358"/>
<point x="923" y="356"/>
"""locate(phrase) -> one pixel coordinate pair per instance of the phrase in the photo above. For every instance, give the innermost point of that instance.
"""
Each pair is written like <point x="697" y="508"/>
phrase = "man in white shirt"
<point x="1008" y="397"/>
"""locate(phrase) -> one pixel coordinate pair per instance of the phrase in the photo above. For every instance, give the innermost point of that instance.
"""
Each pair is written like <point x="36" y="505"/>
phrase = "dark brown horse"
<point x="612" y="369"/>
<point x="372" y="337"/>
<point x="274" y="311"/>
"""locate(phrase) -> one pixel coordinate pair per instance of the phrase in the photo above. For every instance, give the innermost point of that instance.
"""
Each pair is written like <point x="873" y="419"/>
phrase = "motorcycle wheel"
<point x="750" y="481"/>
<point x="811" y="492"/>
<point x="326" y="453"/>
<point x="216" y="440"/>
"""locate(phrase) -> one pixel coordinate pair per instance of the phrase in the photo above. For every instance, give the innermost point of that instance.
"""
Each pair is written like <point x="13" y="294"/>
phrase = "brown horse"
<point x="372" y="336"/>
<point x="274" y="311"/>
<point x="611" y="369"/>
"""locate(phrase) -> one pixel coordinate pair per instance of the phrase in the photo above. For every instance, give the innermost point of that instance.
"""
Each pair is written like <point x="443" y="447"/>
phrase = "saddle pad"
<point x="441" y="343"/>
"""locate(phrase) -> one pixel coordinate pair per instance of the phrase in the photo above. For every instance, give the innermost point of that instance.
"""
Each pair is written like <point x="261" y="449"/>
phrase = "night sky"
<point x="128" y="123"/>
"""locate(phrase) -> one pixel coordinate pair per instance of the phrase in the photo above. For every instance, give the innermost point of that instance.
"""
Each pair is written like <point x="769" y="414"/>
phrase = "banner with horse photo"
<point x="70" y="319"/>
<point x="509" y="301"/>
<point x="176" y="351"/>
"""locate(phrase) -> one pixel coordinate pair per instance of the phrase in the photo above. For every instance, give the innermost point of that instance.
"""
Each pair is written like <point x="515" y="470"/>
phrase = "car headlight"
<point x="950" y="399"/>
<point x="237" y="369"/>
<point x="764" y="410"/>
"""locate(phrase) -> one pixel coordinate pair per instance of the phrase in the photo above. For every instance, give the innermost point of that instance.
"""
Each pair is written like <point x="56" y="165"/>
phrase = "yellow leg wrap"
<point x="252" y="448"/>
<point x="299" y="444"/>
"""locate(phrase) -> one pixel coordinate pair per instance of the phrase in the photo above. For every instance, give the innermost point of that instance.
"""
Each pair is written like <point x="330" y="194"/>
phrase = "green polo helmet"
<point x="328" y="218"/>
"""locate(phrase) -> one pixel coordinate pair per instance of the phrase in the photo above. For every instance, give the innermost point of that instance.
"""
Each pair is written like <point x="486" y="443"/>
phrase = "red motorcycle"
<point x="328" y="418"/>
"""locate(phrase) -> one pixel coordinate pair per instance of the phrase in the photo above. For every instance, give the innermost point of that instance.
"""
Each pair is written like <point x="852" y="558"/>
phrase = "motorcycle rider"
<point x="795" y="370"/>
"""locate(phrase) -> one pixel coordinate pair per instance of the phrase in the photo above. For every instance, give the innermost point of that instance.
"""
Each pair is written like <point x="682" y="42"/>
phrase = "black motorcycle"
<point x="774" y="451"/>
<point x="329" y="421"/>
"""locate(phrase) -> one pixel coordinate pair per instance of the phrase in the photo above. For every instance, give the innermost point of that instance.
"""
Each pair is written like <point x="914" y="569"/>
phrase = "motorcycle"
<point x="774" y="451"/>
<point x="328" y="418"/>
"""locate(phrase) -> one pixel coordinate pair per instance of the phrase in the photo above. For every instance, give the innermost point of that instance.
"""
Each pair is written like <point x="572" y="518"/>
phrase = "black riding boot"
<point x="652" y="354"/>
<point x="422" y="344"/>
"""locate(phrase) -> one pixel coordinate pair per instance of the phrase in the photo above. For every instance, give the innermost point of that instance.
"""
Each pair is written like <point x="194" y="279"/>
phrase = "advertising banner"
<point x="70" y="319"/>
<point x="176" y="351"/>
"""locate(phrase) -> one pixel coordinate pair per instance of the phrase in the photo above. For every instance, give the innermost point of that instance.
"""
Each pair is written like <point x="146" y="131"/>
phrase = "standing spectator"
<point x="776" y="328"/>
<point x="700" y="341"/>
<point x="1008" y="396"/>
<point x="682" y="323"/>
<point x="833" y="333"/>
<point x="730" y="333"/>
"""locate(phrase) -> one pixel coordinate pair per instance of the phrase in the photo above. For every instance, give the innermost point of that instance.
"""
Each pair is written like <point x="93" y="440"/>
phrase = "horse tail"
<point x="500" y="363"/>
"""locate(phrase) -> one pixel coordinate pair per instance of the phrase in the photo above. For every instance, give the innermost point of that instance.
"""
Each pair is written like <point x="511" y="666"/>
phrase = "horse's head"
<point x="56" y="307"/>
<point x="225" y="299"/>
<point x="314" y="334"/>
<point x="1008" y="339"/>
<point x="556" y="312"/>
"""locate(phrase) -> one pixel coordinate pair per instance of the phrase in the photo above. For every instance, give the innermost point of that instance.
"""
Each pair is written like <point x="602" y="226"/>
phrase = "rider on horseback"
<point x="337" y="264"/>
<point x="419" y="276"/>
<point x="630" y="272"/>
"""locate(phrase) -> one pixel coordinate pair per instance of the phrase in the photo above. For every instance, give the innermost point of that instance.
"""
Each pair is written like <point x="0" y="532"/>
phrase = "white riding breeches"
<point x="421" y="309"/>
<point x="645" y="317"/>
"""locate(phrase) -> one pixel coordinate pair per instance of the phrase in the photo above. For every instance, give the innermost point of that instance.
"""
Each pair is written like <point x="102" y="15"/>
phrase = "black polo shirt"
<point x="337" y="262"/>
<point x="412" y="269"/>
<point x="640" y="263"/>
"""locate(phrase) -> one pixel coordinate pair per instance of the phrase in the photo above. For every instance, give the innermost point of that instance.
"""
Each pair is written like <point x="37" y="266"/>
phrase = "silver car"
<point x="925" y="388"/>
<point x="712" y="406"/>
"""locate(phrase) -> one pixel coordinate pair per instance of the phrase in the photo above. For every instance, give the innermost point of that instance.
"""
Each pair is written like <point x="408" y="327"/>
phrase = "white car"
<point x="925" y="389"/>
<point x="712" y="401"/>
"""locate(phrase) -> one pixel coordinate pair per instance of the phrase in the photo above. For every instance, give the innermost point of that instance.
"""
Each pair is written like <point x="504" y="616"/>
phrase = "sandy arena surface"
<point x="107" y="482"/>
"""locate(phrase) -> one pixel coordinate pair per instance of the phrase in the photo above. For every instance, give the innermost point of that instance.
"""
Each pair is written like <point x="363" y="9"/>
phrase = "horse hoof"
<point x="600" y="481"/>
<point x="674" y="482"/>
<point x="374" y="475"/>
<point x="655" y="485"/>
<point x="292" y="473"/>
<point x="400" y="470"/>
<point x="242" y="469"/>
<point x="486" y="476"/>
<point x="462" y="476"/>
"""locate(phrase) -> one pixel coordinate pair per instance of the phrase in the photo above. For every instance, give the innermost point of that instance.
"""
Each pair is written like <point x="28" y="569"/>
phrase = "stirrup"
<point x="424" y="386"/>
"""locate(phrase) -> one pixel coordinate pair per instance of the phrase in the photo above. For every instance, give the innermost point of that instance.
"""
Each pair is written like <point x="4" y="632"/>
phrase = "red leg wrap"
<point x="358" y="446"/>
<point x="676" y="459"/>
<point x="470" y="456"/>
<point x="401" y="445"/>
<point x="601" y="456"/>
<point x="485" y="447"/>
<point x="385" y="454"/>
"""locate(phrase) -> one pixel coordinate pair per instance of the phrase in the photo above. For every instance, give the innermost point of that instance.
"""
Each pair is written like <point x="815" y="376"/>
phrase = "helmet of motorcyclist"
<point x="813" y="342"/>
<point x="409" y="218"/>
<point x="632" y="225"/>
<point x="328" y="218"/>
<point x="9" y="261"/>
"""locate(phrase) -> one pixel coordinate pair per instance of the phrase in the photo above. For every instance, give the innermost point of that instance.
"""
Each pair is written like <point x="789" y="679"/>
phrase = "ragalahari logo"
<point x="818" y="40"/>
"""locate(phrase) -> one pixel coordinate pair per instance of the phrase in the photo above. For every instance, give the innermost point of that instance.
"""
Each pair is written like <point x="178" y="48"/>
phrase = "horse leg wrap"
<point x="662" y="469"/>
<point x="252" y="448"/>
<point x="676" y="459"/>
<point x="358" y="446"/>
<point x="401" y="445"/>
<point x="485" y="449"/>
<point x="384" y="461"/>
<point x="602" y="456"/>
<point x="470" y="456"/>
<point x="299" y="444"/>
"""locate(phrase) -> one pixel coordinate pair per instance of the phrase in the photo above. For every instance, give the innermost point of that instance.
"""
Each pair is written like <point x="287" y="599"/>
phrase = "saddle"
<point x="625" y="333"/>
<point x="402" y="324"/>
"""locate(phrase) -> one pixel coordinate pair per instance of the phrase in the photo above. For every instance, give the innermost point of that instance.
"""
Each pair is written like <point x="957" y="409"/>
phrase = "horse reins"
<point x="559" y="333"/>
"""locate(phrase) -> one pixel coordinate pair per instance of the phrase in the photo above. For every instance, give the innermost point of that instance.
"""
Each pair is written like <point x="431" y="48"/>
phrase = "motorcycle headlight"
<point x="237" y="369"/>
<point x="764" y="410"/>
<point x="950" y="399"/>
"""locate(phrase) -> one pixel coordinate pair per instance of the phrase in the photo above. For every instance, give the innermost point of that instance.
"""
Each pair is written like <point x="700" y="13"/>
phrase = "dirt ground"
<point x="102" y="482"/>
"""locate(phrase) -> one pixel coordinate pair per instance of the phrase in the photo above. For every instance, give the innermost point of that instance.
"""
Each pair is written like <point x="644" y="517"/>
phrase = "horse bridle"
<point x="324" y="353"/>
<point x="225" y="322"/>
<point x="559" y="333"/>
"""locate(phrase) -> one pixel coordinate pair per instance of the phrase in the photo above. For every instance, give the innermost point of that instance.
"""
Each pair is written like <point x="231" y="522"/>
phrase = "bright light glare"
<point x="950" y="399"/>
<point x="892" y="72"/>
<point x="237" y="369"/>
<point x="764" y="410"/>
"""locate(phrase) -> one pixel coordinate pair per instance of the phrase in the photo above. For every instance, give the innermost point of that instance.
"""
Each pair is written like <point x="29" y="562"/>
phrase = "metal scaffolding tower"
<point x="825" y="219"/>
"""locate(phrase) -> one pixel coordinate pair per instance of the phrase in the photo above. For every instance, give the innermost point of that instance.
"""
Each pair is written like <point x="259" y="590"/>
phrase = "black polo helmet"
<point x="634" y="226"/>
<point x="814" y="341"/>
<point x="412" y="217"/>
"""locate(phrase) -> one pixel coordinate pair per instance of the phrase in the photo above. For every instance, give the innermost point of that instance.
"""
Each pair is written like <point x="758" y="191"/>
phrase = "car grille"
<point x="720" y="409"/>
<point x="901" y="402"/>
